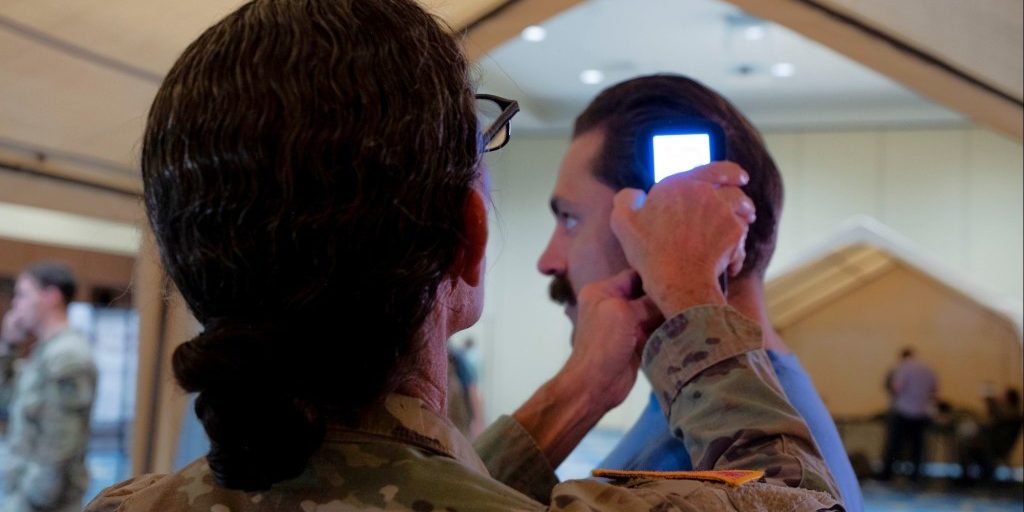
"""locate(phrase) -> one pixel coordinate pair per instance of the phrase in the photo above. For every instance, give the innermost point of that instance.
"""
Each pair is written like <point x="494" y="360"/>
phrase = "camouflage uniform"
<point x="49" y="427"/>
<point x="707" y="366"/>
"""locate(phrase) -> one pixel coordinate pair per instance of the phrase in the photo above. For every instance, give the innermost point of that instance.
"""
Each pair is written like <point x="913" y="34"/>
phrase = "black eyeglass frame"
<point x="509" y="108"/>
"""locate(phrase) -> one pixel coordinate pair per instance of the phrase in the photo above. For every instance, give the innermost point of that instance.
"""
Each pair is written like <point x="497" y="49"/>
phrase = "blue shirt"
<point x="649" y="444"/>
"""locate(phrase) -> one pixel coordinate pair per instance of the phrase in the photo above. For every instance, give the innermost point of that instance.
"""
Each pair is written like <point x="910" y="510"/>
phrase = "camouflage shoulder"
<point x="759" y="496"/>
<point x="69" y="354"/>
<point x="112" y="498"/>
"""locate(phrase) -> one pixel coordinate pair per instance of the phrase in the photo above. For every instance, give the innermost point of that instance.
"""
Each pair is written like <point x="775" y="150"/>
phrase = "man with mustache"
<point x="583" y="249"/>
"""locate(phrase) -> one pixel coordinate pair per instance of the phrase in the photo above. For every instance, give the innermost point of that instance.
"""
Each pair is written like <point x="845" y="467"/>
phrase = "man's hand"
<point x="685" y="233"/>
<point x="11" y="329"/>
<point x="615" y="319"/>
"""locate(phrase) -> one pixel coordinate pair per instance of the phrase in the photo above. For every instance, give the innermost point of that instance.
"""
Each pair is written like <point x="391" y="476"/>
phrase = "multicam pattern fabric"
<point x="49" y="427"/>
<point x="403" y="456"/>
<point x="731" y="421"/>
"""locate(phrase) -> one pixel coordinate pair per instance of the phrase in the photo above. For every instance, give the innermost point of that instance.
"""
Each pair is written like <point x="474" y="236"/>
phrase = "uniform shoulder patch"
<point x="734" y="477"/>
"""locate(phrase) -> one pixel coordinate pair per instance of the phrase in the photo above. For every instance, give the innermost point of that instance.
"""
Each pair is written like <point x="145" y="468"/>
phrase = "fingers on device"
<point x="680" y="146"/>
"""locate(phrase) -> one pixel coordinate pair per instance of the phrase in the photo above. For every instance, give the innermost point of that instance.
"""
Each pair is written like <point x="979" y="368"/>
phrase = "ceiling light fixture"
<point x="754" y="32"/>
<point x="783" y="69"/>
<point x="591" y="76"/>
<point x="534" y="33"/>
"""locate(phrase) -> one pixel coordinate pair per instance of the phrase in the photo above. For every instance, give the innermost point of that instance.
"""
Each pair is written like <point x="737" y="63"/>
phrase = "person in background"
<point x="14" y="341"/>
<point x="914" y="386"/>
<point x="53" y="396"/>
<point x="994" y="439"/>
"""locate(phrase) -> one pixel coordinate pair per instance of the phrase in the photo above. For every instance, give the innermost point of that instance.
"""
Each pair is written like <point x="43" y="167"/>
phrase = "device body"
<point x="680" y="146"/>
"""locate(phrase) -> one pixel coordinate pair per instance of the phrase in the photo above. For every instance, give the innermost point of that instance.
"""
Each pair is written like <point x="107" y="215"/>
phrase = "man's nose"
<point x="552" y="260"/>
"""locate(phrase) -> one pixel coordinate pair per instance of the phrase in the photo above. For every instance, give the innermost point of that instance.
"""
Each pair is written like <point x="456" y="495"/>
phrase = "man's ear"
<point x="470" y="261"/>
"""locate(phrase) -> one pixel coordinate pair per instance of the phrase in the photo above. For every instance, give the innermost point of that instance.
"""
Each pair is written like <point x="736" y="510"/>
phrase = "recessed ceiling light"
<point x="783" y="69"/>
<point x="591" y="76"/>
<point x="534" y="33"/>
<point x="754" y="32"/>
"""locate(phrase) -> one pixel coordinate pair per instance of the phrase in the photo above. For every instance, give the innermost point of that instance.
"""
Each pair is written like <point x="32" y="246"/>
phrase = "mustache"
<point x="560" y="291"/>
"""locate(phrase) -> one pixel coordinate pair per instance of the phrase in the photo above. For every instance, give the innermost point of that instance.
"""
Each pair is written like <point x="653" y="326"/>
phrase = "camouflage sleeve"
<point x="723" y="400"/>
<point x="63" y="423"/>
<point x="68" y="396"/>
<point x="513" y="458"/>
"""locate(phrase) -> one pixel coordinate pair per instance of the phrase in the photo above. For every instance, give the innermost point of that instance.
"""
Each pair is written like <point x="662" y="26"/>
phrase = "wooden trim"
<point x="897" y="59"/>
<point x="507" y="20"/>
<point x="164" y="323"/>
<point x="149" y="292"/>
<point x="67" y="167"/>
<point x="911" y="49"/>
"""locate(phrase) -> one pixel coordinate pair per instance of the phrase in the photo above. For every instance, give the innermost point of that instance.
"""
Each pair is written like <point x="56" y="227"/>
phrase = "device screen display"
<point x="675" y="153"/>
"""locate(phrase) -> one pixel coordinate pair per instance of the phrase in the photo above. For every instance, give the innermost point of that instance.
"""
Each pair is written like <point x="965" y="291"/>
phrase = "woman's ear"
<point x="469" y="264"/>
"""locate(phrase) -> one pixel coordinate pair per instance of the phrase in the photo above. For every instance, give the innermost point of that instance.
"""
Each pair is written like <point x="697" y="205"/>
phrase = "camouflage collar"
<point x="408" y="420"/>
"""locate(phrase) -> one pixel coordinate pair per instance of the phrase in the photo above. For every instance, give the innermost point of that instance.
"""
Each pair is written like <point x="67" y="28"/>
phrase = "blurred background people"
<point x="14" y="342"/>
<point x="991" y="443"/>
<point x="52" y="399"/>
<point x="912" y="386"/>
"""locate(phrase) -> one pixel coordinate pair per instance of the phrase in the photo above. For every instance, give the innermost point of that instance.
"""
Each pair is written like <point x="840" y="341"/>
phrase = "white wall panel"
<point x="840" y="179"/>
<point x="923" y="190"/>
<point x="995" y="213"/>
<point x="786" y="151"/>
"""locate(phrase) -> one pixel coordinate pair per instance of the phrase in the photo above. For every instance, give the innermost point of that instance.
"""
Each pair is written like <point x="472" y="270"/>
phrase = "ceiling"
<point x="77" y="78"/>
<point x="707" y="40"/>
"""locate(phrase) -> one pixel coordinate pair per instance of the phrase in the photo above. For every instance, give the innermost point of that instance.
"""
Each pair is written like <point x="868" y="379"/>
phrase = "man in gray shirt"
<point x="913" y="386"/>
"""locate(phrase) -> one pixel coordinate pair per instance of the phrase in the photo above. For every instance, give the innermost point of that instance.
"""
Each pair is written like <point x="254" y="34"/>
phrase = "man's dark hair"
<point x="306" y="166"/>
<point x="625" y="108"/>
<point x="906" y="353"/>
<point x="55" y="274"/>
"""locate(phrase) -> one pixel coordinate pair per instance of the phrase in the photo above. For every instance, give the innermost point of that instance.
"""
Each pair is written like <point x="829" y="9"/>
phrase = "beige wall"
<point x="955" y="192"/>
<point x="32" y="224"/>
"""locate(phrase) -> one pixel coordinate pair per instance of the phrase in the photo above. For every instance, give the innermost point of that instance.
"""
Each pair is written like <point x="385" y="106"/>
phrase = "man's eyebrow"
<point x="559" y="205"/>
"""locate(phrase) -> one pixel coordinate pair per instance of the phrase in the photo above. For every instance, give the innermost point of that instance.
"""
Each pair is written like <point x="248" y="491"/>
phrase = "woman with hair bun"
<point x="314" y="181"/>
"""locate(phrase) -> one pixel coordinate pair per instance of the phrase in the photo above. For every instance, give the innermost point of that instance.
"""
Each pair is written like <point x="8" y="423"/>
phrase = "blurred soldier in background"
<point x="13" y="341"/>
<point x="53" y="396"/>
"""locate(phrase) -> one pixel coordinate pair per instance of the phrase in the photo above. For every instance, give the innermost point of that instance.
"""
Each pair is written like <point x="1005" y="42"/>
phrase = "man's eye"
<point x="568" y="221"/>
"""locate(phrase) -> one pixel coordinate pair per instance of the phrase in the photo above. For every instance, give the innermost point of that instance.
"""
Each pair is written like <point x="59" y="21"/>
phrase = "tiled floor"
<point x="940" y="498"/>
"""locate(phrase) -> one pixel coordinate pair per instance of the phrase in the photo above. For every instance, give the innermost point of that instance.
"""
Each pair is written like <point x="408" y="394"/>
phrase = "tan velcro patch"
<point x="735" y="477"/>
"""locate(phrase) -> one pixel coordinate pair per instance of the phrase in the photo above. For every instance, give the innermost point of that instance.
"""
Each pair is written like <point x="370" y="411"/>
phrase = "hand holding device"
<point x="683" y="145"/>
<point x="683" y="235"/>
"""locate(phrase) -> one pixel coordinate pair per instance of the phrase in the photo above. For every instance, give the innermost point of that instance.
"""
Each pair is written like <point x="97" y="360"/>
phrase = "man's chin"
<point x="570" y="311"/>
